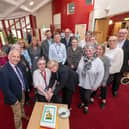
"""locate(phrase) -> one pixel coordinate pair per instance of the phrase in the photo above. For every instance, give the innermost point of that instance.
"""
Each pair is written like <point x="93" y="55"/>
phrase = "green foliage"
<point x="11" y="39"/>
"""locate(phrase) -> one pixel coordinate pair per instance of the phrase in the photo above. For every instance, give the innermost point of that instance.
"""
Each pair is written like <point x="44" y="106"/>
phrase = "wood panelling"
<point x="101" y="29"/>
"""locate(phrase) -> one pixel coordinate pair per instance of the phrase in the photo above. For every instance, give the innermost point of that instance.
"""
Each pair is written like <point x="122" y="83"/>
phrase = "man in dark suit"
<point x="67" y="39"/>
<point x="13" y="85"/>
<point x="123" y="43"/>
<point x="46" y="44"/>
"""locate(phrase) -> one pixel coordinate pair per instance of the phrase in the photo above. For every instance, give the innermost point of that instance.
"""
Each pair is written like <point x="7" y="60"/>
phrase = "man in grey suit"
<point x="46" y="44"/>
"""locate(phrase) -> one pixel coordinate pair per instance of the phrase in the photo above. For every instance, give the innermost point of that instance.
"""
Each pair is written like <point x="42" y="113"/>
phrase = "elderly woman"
<point x="116" y="58"/>
<point x="91" y="72"/>
<point x="41" y="78"/>
<point x="104" y="87"/>
<point x="63" y="78"/>
<point x="74" y="54"/>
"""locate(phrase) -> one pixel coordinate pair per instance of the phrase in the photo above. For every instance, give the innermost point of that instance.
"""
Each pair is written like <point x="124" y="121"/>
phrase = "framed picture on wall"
<point x="70" y="8"/>
<point x="89" y="1"/>
<point x="80" y="29"/>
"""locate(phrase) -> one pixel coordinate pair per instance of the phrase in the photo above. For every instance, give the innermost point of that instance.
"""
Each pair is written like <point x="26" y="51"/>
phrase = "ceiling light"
<point x="110" y="22"/>
<point x="126" y="18"/>
<point x="31" y="3"/>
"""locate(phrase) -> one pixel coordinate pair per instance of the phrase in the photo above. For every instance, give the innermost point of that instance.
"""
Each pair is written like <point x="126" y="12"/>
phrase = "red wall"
<point x="119" y="17"/>
<point x="116" y="18"/>
<point x="81" y="15"/>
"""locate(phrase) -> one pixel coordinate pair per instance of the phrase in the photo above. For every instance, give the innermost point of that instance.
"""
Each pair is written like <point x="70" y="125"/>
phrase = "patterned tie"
<point x="20" y="77"/>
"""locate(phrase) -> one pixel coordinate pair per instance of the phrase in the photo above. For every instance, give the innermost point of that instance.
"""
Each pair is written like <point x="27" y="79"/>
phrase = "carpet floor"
<point x="114" y="116"/>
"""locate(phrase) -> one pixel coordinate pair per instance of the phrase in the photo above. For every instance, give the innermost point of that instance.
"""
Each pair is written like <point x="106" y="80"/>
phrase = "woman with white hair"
<point x="91" y="72"/>
<point x="116" y="58"/>
<point x="63" y="79"/>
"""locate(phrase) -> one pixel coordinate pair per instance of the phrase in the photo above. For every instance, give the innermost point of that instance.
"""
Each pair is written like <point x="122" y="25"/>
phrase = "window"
<point x="14" y="32"/>
<point x="6" y="23"/>
<point x="23" y="22"/>
<point x="70" y="8"/>
<point x="17" y="23"/>
<point x="89" y="1"/>
<point x="1" y="26"/>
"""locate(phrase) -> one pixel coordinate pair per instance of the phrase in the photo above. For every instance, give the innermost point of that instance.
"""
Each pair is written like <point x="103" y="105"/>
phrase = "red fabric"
<point x="3" y="60"/>
<point x="114" y="116"/>
<point x="44" y="77"/>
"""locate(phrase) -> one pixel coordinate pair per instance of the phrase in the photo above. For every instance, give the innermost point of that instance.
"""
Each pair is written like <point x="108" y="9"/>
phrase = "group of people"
<point x="58" y="65"/>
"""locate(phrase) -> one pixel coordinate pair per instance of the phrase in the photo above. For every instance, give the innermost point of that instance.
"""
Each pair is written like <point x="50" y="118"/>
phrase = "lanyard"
<point x="44" y="77"/>
<point x="58" y="49"/>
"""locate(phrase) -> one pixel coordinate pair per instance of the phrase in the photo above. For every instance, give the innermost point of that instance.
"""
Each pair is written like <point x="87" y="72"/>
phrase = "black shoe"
<point x="102" y="105"/>
<point x="85" y="110"/>
<point x="27" y="103"/>
<point x="81" y="105"/>
<point x="115" y="93"/>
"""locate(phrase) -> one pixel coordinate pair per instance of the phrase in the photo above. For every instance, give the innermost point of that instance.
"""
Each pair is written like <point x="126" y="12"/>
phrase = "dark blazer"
<point x="27" y="71"/>
<point x="66" y="78"/>
<point x="34" y="55"/>
<point x="10" y="84"/>
<point x="73" y="57"/>
<point x="125" y="66"/>
<point x="63" y="40"/>
<point x="45" y="49"/>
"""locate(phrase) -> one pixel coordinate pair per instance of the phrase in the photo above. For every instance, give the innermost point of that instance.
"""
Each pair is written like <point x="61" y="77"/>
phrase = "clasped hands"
<point x="48" y="94"/>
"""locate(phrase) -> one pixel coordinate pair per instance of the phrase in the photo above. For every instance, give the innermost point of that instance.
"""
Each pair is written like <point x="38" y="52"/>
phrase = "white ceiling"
<point x="18" y="8"/>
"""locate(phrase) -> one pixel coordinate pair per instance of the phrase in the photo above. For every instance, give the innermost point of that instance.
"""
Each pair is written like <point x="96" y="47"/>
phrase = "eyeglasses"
<point x="41" y="63"/>
<point x="111" y="40"/>
<point x="122" y="32"/>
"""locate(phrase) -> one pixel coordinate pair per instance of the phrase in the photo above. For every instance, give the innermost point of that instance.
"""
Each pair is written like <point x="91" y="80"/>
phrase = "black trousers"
<point x="103" y="93"/>
<point x="54" y="99"/>
<point x="115" y="79"/>
<point x="41" y="98"/>
<point x="85" y="95"/>
<point x="67" y="96"/>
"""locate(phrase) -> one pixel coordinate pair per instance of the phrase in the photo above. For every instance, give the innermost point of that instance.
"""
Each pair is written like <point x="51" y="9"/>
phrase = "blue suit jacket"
<point x="10" y="84"/>
<point x="63" y="40"/>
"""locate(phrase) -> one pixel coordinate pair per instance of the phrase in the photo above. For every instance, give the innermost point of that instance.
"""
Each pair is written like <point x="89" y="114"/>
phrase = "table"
<point x="36" y="116"/>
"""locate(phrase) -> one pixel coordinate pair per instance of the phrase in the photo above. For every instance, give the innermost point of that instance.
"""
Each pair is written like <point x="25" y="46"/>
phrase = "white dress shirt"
<point x="82" y="43"/>
<point x="39" y="81"/>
